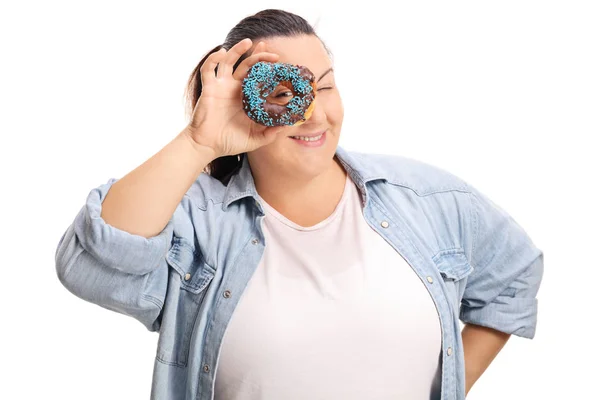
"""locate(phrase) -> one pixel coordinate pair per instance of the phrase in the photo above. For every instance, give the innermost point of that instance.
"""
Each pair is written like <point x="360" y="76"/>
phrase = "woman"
<point x="348" y="272"/>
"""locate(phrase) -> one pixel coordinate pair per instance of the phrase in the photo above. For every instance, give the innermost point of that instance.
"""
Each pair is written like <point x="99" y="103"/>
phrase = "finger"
<point x="259" y="48"/>
<point x="226" y="67"/>
<point x="207" y="71"/>
<point x="242" y="70"/>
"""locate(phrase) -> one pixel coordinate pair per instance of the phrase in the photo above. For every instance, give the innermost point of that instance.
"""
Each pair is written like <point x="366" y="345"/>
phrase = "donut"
<point x="261" y="82"/>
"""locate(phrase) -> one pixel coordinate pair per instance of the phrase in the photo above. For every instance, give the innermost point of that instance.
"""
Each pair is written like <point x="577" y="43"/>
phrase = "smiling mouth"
<point x="308" y="139"/>
<point x="312" y="136"/>
<point x="314" y="140"/>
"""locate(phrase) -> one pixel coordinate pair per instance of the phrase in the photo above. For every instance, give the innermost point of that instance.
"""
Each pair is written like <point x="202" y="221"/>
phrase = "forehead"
<point x="304" y="50"/>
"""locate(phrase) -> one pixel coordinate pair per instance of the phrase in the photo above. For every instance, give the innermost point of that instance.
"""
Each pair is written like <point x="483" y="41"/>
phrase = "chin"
<point x="312" y="163"/>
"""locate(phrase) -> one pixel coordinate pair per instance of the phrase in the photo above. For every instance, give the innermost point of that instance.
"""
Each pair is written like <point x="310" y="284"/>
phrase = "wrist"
<point x="207" y="153"/>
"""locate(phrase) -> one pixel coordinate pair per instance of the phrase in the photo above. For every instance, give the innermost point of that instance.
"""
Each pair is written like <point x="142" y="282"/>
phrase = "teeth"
<point x="308" y="139"/>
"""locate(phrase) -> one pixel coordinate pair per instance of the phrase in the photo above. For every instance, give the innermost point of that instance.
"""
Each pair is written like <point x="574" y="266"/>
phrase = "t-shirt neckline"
<point x="280" y="217"/>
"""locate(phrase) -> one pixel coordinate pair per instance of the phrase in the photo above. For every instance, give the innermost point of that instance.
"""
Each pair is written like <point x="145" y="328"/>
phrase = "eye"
<point x="324" y="88"/>
<point x="284" y="94"/>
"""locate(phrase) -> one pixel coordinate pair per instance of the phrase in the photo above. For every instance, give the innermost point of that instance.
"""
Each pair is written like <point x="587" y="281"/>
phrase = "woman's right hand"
<point x="219" y="123"/>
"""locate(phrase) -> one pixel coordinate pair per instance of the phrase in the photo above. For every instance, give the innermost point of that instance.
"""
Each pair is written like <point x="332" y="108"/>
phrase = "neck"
<point x="301" y="200"/>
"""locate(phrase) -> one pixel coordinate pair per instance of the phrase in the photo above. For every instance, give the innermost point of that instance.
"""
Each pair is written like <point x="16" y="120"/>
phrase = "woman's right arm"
<point x="143" y="201"/>
<point x="113" y="254"/>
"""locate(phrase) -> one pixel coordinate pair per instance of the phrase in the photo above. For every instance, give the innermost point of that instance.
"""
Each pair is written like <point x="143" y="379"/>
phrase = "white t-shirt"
<point x="332" y="312"/>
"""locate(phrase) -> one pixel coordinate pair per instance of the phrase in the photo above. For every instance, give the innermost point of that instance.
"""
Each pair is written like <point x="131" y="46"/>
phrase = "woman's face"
<point x="295" y="157"/>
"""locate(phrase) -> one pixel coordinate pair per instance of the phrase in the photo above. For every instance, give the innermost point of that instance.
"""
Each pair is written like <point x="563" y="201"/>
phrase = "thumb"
<point x="269" y="134"/>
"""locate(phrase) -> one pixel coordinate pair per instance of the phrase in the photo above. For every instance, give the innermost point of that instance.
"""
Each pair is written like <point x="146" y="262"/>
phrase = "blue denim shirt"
<point x="477" y="263"/>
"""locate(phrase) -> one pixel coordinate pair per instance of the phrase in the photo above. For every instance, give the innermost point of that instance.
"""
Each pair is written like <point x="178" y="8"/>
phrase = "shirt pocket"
<point x="189" y="279"/>
<point x="454" y="268"/>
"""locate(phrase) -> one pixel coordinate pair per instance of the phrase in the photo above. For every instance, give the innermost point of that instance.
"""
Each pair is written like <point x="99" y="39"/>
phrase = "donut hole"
<point x="281" y="95"/>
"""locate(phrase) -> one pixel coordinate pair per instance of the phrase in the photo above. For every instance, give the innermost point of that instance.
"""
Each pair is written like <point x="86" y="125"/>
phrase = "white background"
<point x="505" y="95"/>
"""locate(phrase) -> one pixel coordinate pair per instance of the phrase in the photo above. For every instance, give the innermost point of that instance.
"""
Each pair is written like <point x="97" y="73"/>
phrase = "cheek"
<point x="335" y="110"/>
<point x="336" y="113"/>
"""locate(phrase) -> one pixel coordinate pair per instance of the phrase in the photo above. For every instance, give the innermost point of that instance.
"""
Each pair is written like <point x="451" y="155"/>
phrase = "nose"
<point x="318" y="116"/>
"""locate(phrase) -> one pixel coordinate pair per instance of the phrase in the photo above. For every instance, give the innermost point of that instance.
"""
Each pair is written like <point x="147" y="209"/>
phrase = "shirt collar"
<point x="242" y="183"/>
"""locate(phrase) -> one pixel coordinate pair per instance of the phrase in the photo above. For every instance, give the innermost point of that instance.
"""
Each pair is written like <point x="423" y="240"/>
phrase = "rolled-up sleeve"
<point x="112" y="268"/>
<point x="501" y="291"/>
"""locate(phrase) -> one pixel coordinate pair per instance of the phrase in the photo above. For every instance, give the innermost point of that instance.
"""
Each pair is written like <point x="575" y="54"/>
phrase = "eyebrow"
<point x="325" y="73"/>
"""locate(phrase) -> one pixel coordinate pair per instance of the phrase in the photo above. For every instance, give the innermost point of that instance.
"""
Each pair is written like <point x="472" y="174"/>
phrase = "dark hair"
<point x="262" y="25"/>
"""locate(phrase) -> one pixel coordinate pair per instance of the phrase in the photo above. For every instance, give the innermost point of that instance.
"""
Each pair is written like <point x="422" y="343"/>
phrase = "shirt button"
<point x="254" y="241"/>
<point x="449" y="351"/>
<point x="227" y="294"/>
<point x="429" y="279"/>
<point x="187" y="276"/>
<point x="206" y="368"/>
<point x="385" y="224"/>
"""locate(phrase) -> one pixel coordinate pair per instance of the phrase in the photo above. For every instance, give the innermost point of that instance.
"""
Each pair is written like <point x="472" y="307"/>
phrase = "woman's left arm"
<point x="500" y="297"/>
<point x="481" y="346"/>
